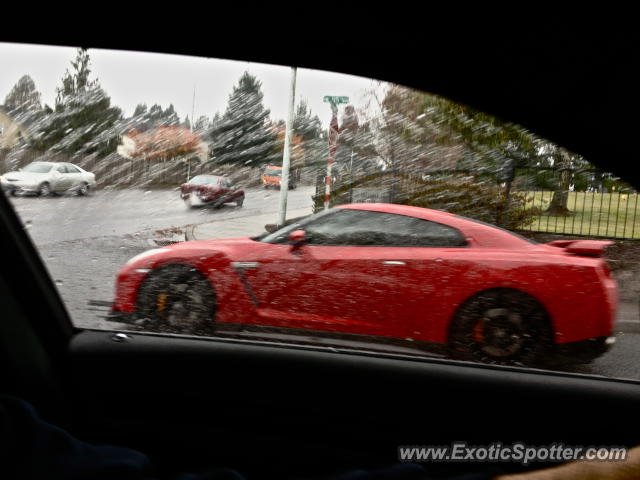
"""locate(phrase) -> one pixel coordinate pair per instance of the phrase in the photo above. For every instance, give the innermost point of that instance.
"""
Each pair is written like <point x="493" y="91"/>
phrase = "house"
<point x="163" y="143"/>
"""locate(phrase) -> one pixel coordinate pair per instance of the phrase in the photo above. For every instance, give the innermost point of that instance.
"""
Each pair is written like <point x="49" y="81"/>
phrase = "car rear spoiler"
<point x="585" y="248"/>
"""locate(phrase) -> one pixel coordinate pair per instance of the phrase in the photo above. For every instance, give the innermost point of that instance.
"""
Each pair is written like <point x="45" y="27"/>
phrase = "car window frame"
<point x="339" y="211"/>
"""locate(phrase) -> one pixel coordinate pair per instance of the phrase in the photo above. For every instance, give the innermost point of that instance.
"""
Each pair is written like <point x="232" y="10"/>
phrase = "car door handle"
<point x="393" y="262"/>
<point x="245" y="265"/>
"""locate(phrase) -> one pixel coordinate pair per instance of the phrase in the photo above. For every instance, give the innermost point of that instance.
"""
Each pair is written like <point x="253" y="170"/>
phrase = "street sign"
<point x="336" y="100"/>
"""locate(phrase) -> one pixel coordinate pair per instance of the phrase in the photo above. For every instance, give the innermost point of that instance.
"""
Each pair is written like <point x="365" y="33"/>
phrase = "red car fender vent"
<point x="584" y="248"/>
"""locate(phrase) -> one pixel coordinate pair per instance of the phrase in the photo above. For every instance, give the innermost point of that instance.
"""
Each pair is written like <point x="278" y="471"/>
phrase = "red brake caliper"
<point x="478" y="331"/>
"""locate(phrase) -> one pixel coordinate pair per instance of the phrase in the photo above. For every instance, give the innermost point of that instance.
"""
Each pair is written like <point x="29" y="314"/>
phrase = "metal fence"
<point x="596" y="204"/>
<point x="568" y="201"/>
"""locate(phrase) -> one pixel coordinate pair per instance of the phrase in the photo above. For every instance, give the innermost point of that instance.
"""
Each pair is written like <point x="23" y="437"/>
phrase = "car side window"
<point x="61" y="169"/>
<point x="366" y="228"/>
<point x="71" y="168"/>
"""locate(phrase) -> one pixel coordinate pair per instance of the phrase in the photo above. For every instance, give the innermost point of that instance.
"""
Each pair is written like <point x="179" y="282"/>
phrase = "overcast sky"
<point x="130" y="78"/>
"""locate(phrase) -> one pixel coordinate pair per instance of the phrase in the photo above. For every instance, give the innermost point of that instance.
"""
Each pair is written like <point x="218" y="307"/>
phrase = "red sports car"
<point x="484" y="293"/>
<point x="211" y="189"/>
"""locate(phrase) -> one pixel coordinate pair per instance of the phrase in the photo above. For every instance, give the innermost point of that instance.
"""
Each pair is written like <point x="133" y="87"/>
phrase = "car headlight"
<point x="148" y="253"/>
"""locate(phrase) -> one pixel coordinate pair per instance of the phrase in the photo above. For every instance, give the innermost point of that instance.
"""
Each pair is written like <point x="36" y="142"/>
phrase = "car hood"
<point x="232" y="248"/>
<point x="215" y="243"/>
<point x="25" y="176"/>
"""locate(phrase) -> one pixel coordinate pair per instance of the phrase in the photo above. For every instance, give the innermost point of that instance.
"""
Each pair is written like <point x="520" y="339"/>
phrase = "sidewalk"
<point x="244" y="226"/>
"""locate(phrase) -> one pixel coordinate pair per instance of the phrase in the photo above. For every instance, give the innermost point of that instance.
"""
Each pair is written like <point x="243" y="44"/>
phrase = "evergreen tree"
<point x="243" y="136"/>
<point x="215" y="121"/>
<point x="155" y="115"/>
<point x="186" y="123"/>
<point x="144" y="119"/>
<point x="170" y="117"/>
<point x="305" y="125"/>
<point x="139" y="121"/>
<point x="23" y="97"/>
<point x="83" y="120"/>
<point x="141" y="110"/>
<point x="202" y="124"/>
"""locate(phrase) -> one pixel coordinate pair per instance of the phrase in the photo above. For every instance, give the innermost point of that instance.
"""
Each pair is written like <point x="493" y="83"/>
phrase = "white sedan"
<point x="44" y="178"/>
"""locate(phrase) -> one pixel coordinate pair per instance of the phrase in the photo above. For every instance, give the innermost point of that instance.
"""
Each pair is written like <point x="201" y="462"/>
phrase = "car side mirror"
<point x="297" y="238"/>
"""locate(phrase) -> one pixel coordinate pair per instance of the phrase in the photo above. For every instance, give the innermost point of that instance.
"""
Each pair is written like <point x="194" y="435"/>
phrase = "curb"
<point x="190" y="229"/>
<point x="188" y="233"/>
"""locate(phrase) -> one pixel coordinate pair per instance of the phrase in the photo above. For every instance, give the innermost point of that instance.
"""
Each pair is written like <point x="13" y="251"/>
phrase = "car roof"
<point x="408" y="210"/>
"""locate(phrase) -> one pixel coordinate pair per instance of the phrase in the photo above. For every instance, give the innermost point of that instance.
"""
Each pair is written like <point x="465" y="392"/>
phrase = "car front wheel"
<point x="44" y="190"/>
<point x="240" y="202"/>
<point x="84" y="189"/>
<point x="501" y="326"/>
<point x="177" y="299"/>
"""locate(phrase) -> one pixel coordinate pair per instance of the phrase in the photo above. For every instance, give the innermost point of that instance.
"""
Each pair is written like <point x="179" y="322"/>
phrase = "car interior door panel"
<point x="326" y="398"/>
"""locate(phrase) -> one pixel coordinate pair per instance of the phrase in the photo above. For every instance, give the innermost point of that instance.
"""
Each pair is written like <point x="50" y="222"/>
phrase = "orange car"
<point x="272" y="175"/>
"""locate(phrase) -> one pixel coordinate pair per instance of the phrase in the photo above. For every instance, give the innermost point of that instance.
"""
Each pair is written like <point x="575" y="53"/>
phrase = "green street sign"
<point x="336" y="100"/>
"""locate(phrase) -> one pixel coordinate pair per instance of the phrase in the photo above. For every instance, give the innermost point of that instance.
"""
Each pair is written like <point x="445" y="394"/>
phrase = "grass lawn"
<point x="612" y="215"/>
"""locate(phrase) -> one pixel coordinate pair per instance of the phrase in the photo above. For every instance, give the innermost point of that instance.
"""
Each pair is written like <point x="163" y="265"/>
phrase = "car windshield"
<point x="38" y="168"/>
<point x="204" y="180"/>
<point x="388" y="185"/>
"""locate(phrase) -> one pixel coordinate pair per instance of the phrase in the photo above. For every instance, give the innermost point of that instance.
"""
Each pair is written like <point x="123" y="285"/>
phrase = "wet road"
<point x="120" y="212"/>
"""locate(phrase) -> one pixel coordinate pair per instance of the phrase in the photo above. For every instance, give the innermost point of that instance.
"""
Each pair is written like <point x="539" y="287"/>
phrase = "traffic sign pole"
<point x="334" y="132"/>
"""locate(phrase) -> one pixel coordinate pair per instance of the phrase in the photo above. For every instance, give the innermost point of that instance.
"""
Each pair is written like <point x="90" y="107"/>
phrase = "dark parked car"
<point x="211" y="190"/>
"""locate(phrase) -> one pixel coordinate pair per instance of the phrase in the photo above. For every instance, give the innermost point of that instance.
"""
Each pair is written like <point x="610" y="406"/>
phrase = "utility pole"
<point x="286" y="159"/>
<point x="193" y="106"/>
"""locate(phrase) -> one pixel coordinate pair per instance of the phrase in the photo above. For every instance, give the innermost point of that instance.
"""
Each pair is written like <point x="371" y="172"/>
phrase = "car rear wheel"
<point x="176" y="299"/>
<point x="44" y="190"/>
<point x="501" y="326"/>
